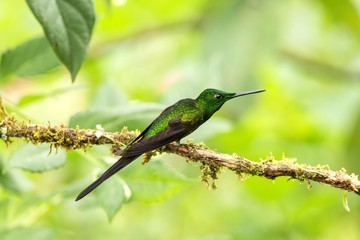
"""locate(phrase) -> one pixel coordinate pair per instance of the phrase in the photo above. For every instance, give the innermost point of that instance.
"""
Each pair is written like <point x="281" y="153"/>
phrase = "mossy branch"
<point x="212" y="162"/>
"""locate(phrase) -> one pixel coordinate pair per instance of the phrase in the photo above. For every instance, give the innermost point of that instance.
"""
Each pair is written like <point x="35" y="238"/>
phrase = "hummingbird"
<point x="173" y="123"/>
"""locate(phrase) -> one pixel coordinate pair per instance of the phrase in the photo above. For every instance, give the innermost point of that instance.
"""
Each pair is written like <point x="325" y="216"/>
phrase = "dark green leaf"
<point x="37" y="158"/>
<point x="68" y="26"/>
<point x="31" y="58"/>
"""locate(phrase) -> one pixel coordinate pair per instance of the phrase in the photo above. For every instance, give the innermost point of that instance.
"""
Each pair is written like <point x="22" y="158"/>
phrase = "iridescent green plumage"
<point x="174" y="123"/>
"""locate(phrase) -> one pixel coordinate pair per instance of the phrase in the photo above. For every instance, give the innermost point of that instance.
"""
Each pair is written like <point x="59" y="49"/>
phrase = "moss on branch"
<point x="212" y="162"/>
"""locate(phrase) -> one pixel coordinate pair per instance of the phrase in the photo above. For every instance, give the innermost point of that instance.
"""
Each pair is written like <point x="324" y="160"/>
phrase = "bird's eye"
<point x="218" y="96"/>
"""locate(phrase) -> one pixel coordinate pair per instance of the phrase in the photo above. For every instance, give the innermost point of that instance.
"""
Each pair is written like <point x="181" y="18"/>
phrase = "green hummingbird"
<point x="174" y="123"/>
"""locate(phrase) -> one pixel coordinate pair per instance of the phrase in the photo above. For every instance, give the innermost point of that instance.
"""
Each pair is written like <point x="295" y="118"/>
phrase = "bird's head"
<point x="212" y="99"/>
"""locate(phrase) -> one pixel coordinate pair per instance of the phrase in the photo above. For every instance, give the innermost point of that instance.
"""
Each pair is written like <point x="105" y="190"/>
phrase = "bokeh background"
<point x="144" y="56"/>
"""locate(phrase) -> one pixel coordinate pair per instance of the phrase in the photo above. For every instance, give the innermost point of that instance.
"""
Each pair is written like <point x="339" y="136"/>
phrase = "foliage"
<point x="144" y="56"/>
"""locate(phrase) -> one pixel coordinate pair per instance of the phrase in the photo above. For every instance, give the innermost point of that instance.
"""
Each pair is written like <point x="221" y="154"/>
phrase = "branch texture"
<point x="212" y="162"/>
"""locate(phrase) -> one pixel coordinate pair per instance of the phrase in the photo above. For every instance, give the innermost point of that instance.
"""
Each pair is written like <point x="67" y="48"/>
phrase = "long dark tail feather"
<point x="120" y="164"/>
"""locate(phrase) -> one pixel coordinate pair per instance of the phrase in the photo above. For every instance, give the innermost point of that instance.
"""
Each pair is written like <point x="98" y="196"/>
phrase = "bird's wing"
<point x="142" y="134"/>
<point x="175" y="131"/>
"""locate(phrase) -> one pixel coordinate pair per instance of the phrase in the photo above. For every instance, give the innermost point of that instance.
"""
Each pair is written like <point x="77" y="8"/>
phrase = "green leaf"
<point x="32" y="98"/>
<point x="353" y="149"/>
<point x="107" y="96"/>
<point x="216" y="124"/>
<point x="37" y="158"/>
<point x="344" y="12"/>
<point x="135" y="116"/>
<point x="68" y="26"/>
<point x="111" y="109"/>
<point x="38" y="233"/>
<point x="30" y="58"/>
<point x="111" y="196"/>
<point x="13" y="180"/>
<point x="155" y="182"/>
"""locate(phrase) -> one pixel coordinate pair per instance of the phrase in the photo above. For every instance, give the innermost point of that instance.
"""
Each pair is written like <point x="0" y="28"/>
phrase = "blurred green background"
<point x="146" y="55"/>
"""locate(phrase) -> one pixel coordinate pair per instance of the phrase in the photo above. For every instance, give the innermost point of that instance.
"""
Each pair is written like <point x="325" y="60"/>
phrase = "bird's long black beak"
<point x="248" y="92"/>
